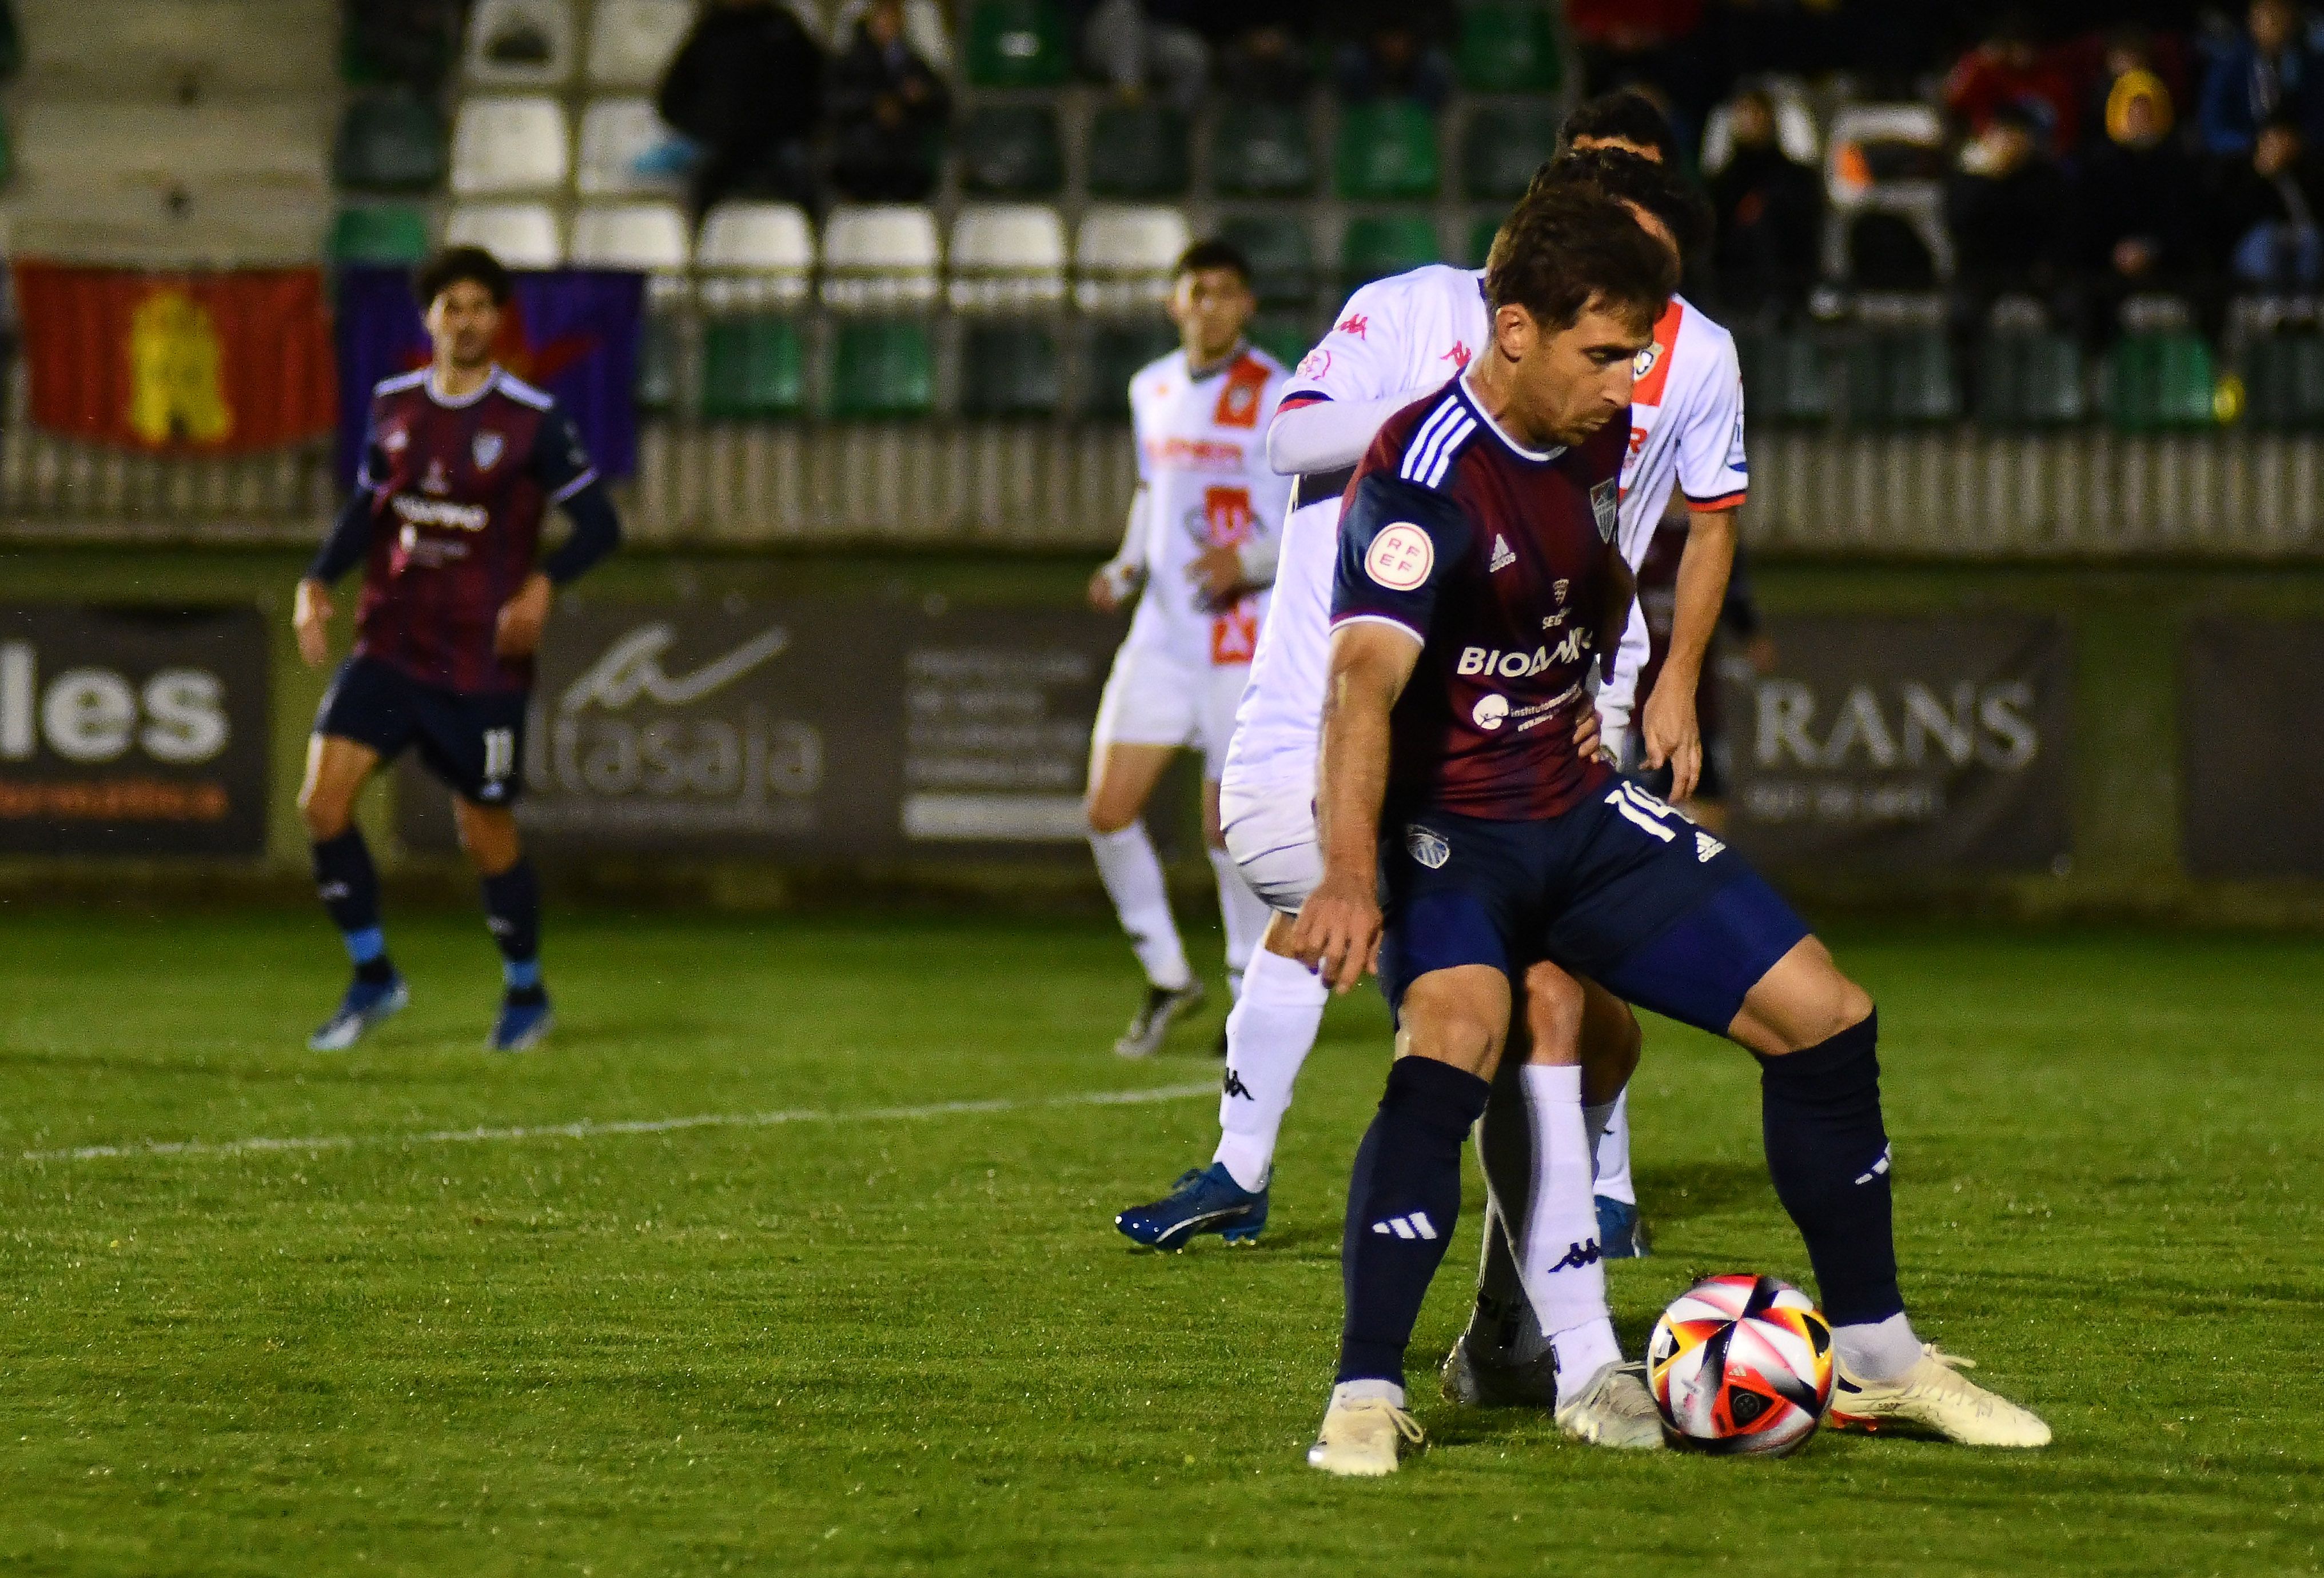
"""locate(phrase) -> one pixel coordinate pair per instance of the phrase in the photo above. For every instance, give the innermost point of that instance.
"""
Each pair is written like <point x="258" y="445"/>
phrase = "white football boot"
<point x="1935" y="1396"/>
<point x="1614" y="1410"/>
<point x="1363" y="1436"/>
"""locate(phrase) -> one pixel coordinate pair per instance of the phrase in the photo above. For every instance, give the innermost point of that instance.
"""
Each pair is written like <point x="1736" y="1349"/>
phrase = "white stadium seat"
<point x="521" y="43"/>
<point x="880" y="257"/>
<point x="649" y="237"/>
<point x="523" y="236"/>
<point x="755" y="255"/>
<point x="1123" y="257"/>
<point x="513" y="144"/>
<point x="632" y="42"/>
<point x="1795" y="132"/>
<point x="1007" y="256"/>
<point x="614" y="133"/>
<point x="1919" y="202"/>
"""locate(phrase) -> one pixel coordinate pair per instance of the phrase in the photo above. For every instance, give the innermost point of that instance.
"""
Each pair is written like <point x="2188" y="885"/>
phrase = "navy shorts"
<point x="1620" y="888"/>
<point x="472" y="741"/>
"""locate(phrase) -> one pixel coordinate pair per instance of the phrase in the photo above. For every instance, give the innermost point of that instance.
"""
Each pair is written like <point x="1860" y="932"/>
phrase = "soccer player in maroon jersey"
<point x="460" y="463"/>
<point x="1464" y="835"/>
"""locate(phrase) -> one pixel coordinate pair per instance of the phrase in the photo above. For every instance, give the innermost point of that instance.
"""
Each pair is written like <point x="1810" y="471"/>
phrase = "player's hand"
<point x="1217" y="575"/>
<point x="1338" y="931"/>
<point x="516" y="633"/>
<point x="1109" y="589"/>
<point x="1672" y="734"/>
<point x="311" y="617"/>
<point x="1589" y="734"/>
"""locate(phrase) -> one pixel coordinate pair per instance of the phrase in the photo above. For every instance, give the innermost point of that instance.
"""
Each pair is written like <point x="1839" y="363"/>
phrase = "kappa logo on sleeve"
<point x="1400" y="558"/>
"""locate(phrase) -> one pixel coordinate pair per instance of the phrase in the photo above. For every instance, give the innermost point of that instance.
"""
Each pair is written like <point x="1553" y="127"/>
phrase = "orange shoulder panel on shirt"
<point x="1656" y="358"/>
<point x="1239" y="401"/>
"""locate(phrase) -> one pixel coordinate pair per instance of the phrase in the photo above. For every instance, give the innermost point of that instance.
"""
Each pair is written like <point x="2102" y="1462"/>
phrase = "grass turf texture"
<point x="916" y="1343"/>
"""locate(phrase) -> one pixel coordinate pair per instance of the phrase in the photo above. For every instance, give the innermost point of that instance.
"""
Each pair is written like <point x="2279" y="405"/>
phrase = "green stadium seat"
<point x="1902" y="377"/>
<point x="390" y="233"/>
<point x="1009" y="370"/>
<point x="1388" y="152"/>
<point x="1786" y="381"/>
<point x="1282" y="256"/>
<point x="656" y="389"/>
<point x="1016" y="43"/>
<point x="2160" y="382"/>
<point x="1509" y="46"/>
<point x="2027" y="379"/>
<point x="1138" y="151"/>
<point x="1505" y="143"/>
<point x="2283" y="382"/>
<point x="1116" y="353"/>
<point x="390" y="142"/>
<point x="1283" y="337"/>
<point x="1011" y="151"/>
<point x="883" y="369"/>
<point x="754" y="368"/>
<point x="1381" y="244"/>
<point x="1262" y="151"/>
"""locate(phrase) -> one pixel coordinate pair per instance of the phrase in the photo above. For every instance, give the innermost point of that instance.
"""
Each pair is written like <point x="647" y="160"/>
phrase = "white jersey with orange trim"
<point x="1686" y="433"/>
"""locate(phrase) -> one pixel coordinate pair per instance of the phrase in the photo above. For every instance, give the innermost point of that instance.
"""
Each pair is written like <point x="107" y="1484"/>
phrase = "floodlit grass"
<point x="909" y="1340"/>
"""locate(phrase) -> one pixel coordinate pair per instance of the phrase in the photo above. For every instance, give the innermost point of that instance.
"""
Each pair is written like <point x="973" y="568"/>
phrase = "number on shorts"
<point x="1643" y="809"/>
<point x="500" y="754"/>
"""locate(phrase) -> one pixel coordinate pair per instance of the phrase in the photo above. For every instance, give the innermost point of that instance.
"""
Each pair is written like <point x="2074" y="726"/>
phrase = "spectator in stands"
<point x="1135" y="44"/>
<point x="2009" y="70"/>
<point x="1265" y="64"/>
<point x="2007" y="207"/>
<point x="746" y="85"/>
<point x="2269" y="73"/>
<point x="1396" y="54"/>
<point x="2269" y="210"/>
<point x="888" y="109"/>
<point x="1770" y="211"/>
<point x="2138" y="209"/>
<point x="925" y="29"/>
<point x="1658" y="43"/>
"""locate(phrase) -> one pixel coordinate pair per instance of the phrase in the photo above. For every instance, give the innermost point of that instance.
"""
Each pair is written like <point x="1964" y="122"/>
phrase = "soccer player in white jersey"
<point x="1198" y="555"/>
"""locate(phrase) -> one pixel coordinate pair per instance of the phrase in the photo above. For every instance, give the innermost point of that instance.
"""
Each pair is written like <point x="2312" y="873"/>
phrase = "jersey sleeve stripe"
<point x="1418" y="454"/>
<point x="1341" y="621"/>
<point x="575" y="486"/>
<point x="1305" y="397"/>
<point x="1724" y="501"/>
<point x="1447" y="446"/>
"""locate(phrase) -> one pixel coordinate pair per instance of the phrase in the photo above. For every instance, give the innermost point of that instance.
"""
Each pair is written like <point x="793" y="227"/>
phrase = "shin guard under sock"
<point x="1828" y="1154"/>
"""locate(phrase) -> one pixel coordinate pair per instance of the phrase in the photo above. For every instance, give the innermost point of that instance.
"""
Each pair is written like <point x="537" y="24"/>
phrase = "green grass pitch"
<point x="886" y="1326"/>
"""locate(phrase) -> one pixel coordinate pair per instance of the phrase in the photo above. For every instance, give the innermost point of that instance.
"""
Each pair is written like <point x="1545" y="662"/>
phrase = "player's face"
<point x="1571" y="382"/>
<point x="462" y="321"/>
<point x="1212" y="307"/>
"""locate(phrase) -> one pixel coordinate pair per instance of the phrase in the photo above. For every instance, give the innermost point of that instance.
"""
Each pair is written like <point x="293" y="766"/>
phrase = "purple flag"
<point x="573" y="331"/>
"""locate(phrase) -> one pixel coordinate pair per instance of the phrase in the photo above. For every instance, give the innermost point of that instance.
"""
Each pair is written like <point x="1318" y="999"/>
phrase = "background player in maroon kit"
<point x="460" y="463"/>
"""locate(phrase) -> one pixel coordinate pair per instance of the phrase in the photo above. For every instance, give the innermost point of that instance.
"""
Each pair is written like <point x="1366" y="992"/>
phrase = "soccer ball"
<point x="1740" y="1364"/>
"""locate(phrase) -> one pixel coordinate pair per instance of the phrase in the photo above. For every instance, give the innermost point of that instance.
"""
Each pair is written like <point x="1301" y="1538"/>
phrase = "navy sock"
<point x="348" y="884"/>
<point x="1828" y="1153"/>
<point x="1402" y="1204"/>
<point x="513" y="913"/>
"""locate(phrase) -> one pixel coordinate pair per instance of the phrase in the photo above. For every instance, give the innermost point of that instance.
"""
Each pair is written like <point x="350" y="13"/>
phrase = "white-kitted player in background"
<point x="1198" y="555"/>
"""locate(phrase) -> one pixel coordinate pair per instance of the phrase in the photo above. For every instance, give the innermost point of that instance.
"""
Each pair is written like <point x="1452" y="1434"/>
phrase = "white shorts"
<point x="1152" y="698"/>
<point x="1270" y="831"/>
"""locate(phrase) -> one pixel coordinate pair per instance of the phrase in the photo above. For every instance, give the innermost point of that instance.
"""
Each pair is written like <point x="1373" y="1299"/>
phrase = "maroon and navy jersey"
<point x="1494" y="557"/>
<point x="458" y="489"/>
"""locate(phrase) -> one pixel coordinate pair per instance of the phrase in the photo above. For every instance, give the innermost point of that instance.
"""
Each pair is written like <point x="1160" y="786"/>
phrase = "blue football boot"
<point x="521" y="1025"/>
<point x="1203" y="1201"/>
<point x="1622" y="1237"/>
<point x="366" y="1004"/>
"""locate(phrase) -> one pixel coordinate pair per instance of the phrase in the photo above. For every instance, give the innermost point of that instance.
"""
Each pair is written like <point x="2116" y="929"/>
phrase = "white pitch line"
<point x="590" y="1129"/>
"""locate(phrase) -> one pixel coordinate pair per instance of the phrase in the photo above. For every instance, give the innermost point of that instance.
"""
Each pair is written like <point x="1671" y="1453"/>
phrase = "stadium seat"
<point x="1388" y="152"/>
<point x="2160" y="380"/>
<point x="1901" y="377"/>
<point x="1796" y="128"/>
<point x="615" y="132"/>
<point x="1262" y="151"/>
<point x="389" y="142"/>
<point x="520" y="44"/>
<point x="1284" y="337"/>
<point x="1282" y="255"/>
<point x="1011" y="151"/>
<point x="1504" y="144"/>
<point x="1509" y="46"/>
<point x="882" y="257"/>
<point x="1123" y="257"/>
<point x="1016" y="43"/>
<point x="2030" y="379"/>
<point x="757" y="254"/>
<point x="650" y="237"/>
<point x="2283" y="382"/>
<point x="508" y="145"/>
<point x="1007" y="257"/>
<point x="1785" y="381"/>
<point x="1886" y="158"/>
<point x="631" y="42"/>
<point x="391" y="233"/>
<point x="1009" y="370"/>
<point x="1138" y="151"/>
<point x="754" y="367"/>
<point x="523" y="236"/>
<point x="1117" y="351"/>
<point x="883" y="369"/>
<point x="1380" y="244"/>
<point x="655" y="387"/>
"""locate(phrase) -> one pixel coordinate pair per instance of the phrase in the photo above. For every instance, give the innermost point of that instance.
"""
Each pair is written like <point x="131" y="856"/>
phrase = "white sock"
<point x="1268" y="1036"/>
<point x="1356" y="1391"/>
<point x="1880" y="1350"/>
<point x="1561" y="1228"/>
<point x="1613" y="1148"/>
<point x="1132" y="875"/>
<point x="1246" y="916"/>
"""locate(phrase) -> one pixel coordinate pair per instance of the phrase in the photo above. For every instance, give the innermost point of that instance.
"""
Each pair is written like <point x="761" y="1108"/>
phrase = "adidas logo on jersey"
<point x="1706" y="848"/>
<point x="1502" y="558"/>
<point x="1416" y="1225"/>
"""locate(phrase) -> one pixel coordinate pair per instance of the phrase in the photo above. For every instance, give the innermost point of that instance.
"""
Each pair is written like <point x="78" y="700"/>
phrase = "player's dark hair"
<point x="1214" y="253"/>
<point x="455" y="264"/>
<point x="1626" y="114"/>
<point x="1653" y="189"/>
<point x="1571" y="246"/>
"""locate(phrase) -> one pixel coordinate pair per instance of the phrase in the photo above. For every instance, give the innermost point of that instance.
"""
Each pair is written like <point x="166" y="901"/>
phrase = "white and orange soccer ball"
<point x="1740" y="1364"/>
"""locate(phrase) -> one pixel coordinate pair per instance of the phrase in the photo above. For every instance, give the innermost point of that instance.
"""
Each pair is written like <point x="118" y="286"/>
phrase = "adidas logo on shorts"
<point x="1706" y="848"/>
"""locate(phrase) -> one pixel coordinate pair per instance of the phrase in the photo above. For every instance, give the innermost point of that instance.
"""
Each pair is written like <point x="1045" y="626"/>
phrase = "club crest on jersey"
<point x="1426" y="846"/>
<point x="1314" y="365"/>
<point x="1400" y="558"/>
<point x="487" y="449"/>
<point x="1561" y="587"/>
<point x="1646" y="360"/>
<point x="1606" y="504"/>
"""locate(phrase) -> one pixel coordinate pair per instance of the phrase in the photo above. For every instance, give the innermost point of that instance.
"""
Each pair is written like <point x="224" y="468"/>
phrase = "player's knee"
<point x="1832" y="1003"/>
<point x="1107" y="816"/>
<point x="324" y="811"/>
<point x="1555" y="1003"/>
<point x="1611" y="1042"/>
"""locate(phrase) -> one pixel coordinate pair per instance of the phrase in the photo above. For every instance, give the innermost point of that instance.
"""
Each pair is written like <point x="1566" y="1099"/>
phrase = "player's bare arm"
<point x="1671" y="732"/>
<point x="517" y="631"/>
<point x="311" y="611"/>
<point x="1339" y="926"/>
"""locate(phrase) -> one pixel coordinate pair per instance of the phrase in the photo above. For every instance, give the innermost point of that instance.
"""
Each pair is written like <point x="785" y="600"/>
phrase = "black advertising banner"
<point x="132" y="731"/>
<point x="1906" y="744"/>
<point x="802" y="730"/>
<point x="2251" y="733"/>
